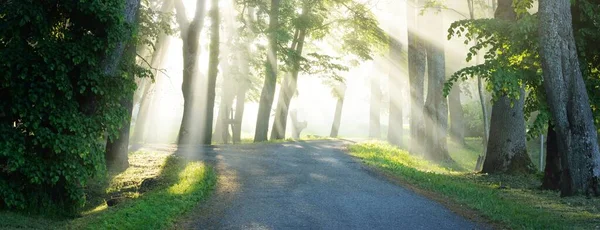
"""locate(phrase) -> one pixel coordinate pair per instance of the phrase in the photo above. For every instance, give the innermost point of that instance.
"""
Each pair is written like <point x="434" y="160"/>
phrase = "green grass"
<point x="513" y="201"/>
<point x="178" y="187"/>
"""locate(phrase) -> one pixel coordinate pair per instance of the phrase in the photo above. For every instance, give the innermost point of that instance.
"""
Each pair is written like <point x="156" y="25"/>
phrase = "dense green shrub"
<point x="55" y="102"/>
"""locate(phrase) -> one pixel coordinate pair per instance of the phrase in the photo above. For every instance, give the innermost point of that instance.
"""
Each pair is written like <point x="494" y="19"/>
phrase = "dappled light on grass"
<point x="96" y="210"/>
<point x="180" y="186"/>
<point x="390" y="156"/>
<point x="193" y="173"/>
<point x="514" y="201"/>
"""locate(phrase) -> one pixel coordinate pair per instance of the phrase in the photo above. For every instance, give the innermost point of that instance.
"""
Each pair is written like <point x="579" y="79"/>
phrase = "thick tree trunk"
<point x="457" y="119"/>
<point x="416" y="74"/>
<point x="288" y="89"/>
<point x="552" y="171"/>
<point x="117" y="150"/>
<point x="436" y="106"/>
<point x="337" y="118"/>
<point x="568" y="100"/>
<point x="268" y="92"/>
<point x="395" y="124"/>
<point x="190" y="34"/>
<point x="375" y="108"/>
<point x="507" y="149"/>
<point x="213" y="71"/>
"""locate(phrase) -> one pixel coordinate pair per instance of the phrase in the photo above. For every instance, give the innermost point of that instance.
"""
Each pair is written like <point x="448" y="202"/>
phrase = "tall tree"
<point x="507" y="149"/>
<point x="213" y="71"/>
<point x="268" y="92"/>
<point x="395" y="124"/>
<point x="416" y="75"/>
<point x="568" y="100"/>
<point x="290" y="83"/>
<point x="117" y="148"/>
<point x="190" y="35"/>
<point x="339" y="92"/>
<point x="436" y="106"/>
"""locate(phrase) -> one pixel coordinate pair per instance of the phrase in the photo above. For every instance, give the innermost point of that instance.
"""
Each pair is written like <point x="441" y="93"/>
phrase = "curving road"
<point x="310" y="185"/>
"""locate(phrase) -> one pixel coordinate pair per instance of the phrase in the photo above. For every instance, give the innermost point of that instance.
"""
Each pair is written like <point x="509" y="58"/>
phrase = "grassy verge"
<point x="513" y="201"/>
<point x="152" y="193"/>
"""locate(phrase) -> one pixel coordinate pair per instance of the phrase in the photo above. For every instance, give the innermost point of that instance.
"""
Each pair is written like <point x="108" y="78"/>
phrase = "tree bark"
<point x="117" y="150"/>
<point x="239" y="112"/>
<point x="568" y="100"/>
<point x="288" y="89"/>
<point x="395" y="124"/>
<point x="416" y="74"/>
<point x="457" y="120"/>
<point x="375" y="108"/>
<point x="190" y="34"/>
<point x="268" y="92"/>
<point x="213" y="71"/>
<point x="337" y="118"/>
<point x="552" y="170"/>
<point x="507" y="149"/>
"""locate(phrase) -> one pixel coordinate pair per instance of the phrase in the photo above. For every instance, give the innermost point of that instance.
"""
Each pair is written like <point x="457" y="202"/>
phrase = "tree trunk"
<point x="337" y="119"/>
<point x="436" y="106"/>
<point x="395" y="124"/>
<point x="484" y="110"/>
<point x="297" y="126"/>
<point x="507" y="149"/>
<point x="239" y="112"/>
<point x="221" y="134"/>
<point x="375" y="108"/>
<point x="117" y="150"/>
<point x="568" y="100"/>
<point x="457" y="119"/>
<point x="190" y="34"/>
<point x="288" y="89"/>
<point x="552" y="171"/>
<point x="268" y="92"/>
<point x="213" y="71"/>
<point x="416" y="74"/>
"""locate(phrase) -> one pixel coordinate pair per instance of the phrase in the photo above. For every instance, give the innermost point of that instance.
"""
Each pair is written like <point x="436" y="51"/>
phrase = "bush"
<point x="473" y="119"/>
<point x="55" y="102"/>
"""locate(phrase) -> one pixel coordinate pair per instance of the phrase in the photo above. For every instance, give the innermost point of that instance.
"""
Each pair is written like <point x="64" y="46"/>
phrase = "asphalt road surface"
<point x="310" y="185"/>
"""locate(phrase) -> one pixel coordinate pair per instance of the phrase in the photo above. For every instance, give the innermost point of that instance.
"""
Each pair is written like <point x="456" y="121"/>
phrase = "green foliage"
<point x="56" y="102"/>
<point x="586" y="14"/>
<point x="511" y="61"/>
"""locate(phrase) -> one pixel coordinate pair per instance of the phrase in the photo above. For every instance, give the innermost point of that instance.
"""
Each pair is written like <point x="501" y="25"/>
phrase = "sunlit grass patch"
<point x="514" y="201"/>
<point x="177" y="186"/>
<point x="184" y="184"/>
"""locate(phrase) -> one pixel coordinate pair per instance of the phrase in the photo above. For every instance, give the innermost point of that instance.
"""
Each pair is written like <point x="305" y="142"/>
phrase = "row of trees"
<point x="67" y="102"/>
<point x="543" y="76"/>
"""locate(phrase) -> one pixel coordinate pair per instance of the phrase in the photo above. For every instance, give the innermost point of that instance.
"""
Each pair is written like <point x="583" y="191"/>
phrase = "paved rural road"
<point x="311" y="185"/>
